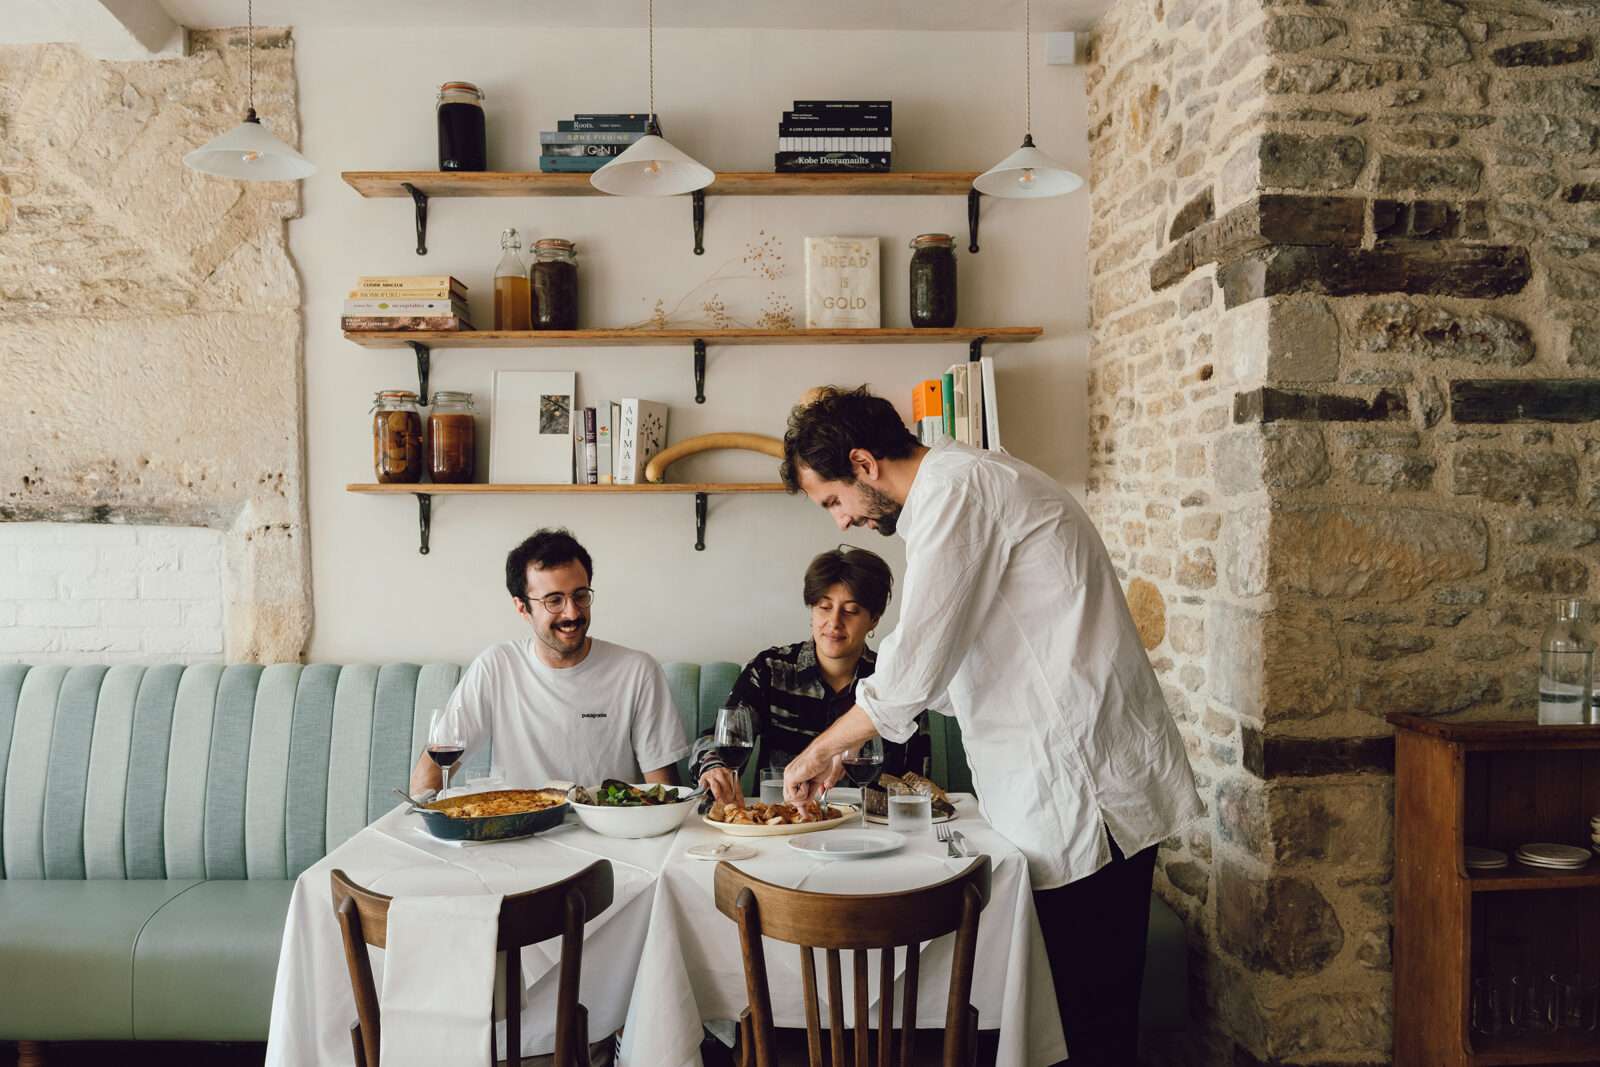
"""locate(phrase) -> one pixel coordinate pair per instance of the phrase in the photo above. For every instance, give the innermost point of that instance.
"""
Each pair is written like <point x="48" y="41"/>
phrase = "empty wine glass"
<point x="444" y="746"/>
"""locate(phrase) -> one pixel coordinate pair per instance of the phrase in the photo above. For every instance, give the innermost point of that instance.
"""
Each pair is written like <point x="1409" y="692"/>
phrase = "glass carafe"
<point x="1566" y="665"/>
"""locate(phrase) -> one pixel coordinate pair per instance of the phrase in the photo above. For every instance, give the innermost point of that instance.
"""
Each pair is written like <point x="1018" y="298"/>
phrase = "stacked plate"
<point x="1552" y="857"/>
<point x="1485" y="859"/>
<point x="1594" y="833"/>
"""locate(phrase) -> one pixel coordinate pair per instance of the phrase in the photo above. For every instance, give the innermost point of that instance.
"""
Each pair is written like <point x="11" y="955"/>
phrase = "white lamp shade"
<point x="249" y="151"/>
<point x="1026" y="173"/>
<point x="651" y="167"/>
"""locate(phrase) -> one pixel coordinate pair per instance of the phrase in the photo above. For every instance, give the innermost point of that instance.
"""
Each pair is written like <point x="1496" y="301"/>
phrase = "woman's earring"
<point x="872" y="634"/>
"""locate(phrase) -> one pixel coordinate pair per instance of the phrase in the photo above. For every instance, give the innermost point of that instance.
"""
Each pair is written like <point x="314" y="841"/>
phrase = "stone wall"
<point x="1344" y="391"/>
<point x="150" y="328"/>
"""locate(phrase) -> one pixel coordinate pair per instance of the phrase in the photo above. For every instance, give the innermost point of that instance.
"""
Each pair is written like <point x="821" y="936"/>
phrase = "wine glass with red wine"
<point x="862" y="766"/>
<point x="734" y="737"/>
<point x="444" y="746"/>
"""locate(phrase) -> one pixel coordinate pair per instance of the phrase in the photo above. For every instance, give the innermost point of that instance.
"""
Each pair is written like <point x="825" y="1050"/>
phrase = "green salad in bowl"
<point x="623" y="809"/>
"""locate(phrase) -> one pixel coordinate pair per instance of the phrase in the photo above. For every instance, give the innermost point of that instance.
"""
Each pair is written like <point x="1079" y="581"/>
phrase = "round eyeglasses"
<point x="556" y="603"/>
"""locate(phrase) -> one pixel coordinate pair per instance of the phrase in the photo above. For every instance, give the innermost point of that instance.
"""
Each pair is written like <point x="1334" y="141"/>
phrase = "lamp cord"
<point x="250" y="44"/>
<point x="1027" y="64"/>
<point x="652" y="116"/>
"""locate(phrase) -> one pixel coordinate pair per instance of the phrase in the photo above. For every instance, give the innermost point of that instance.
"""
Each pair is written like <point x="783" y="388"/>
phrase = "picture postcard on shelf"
<point x="533" y="424"/>
<point x="842" y="283"/>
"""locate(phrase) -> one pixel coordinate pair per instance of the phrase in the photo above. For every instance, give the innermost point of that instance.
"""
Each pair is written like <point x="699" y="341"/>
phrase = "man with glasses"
<point x="560" y="705"/>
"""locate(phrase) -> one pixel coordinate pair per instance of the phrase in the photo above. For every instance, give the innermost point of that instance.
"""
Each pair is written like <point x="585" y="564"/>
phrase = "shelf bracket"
<point x="699" y="197"/>
<point x="700" y="522"/>
<point x="424" y="359"/>
<point x="975" y="350"/>
<point x="699" y="371"/>
<point x="424" y="520"/>
<point x="420" y="199"/>
<point x="973" y="196"/>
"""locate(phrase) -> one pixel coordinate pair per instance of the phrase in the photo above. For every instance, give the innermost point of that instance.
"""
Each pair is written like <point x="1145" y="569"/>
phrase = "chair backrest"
<point x="561" y="908"/>
<point x="860" y="923"/>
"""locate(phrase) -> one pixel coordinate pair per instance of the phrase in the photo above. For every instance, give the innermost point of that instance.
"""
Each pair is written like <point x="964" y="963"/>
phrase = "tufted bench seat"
<point x="153" y="820"/>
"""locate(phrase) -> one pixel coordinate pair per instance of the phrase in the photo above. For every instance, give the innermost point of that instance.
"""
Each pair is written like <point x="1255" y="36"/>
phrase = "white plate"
<point x="846" y="844"/>
<point x="750" y="830"/>
<point x="1479" y="857"/>
<point x="883" y="820"/>
<point x="725" y="851"/>
<point x="1552" y="853"/>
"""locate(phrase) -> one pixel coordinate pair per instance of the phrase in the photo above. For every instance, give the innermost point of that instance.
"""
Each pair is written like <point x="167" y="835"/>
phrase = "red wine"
<point x="734" y="757"/>
<point x="445" y="755"/>
<point x="862" y="771"/>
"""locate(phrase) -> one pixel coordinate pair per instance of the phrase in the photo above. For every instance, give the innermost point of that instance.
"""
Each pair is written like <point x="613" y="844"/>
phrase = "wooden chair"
<point x="525" y="919"/>
<point x="882" y="921"/>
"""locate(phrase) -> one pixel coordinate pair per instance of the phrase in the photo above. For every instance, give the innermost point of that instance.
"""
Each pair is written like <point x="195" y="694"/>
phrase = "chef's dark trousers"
<point x="1094" y="934"/>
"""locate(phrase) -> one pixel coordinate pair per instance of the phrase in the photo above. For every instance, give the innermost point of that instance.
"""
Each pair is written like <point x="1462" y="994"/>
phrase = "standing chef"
<point x="1012" y="619"/>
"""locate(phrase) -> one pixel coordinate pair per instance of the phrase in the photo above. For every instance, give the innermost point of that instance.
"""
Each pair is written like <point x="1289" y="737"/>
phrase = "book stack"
<point x="585" y="143"/>
<point x="406" y="302"/>
<point x="960" y="404"/>
<point x="612" y="443"/>
<point x="827" y="136"/>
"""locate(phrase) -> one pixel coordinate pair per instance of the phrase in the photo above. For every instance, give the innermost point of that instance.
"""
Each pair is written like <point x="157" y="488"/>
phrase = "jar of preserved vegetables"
<point x="396" y="437"/>
<point x="933" y="280"/>
<point x="452" y="438"/>
<point x="555" y="284"/>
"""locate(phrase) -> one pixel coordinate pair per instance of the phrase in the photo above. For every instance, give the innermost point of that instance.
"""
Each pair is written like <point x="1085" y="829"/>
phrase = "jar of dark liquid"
<point x="396" y="437"/>
<point x="452" y="438"/>
<point x="461" y="139"/>
<point x="555" y="285"/>
<point x="933" y="280"/>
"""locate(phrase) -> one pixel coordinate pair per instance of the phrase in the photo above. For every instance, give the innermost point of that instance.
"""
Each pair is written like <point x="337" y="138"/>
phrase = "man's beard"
<point x="881" y="509"/>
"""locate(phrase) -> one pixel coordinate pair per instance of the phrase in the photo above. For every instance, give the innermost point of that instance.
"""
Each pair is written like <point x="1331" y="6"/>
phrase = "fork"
<point x="942" y="832"/>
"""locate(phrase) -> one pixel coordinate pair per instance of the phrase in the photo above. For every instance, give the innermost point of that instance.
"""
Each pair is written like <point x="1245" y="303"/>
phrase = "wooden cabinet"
<point x="1497" y="785"/>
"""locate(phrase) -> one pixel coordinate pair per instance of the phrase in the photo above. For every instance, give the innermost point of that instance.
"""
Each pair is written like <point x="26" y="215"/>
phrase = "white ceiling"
<point x="44" y="20"/>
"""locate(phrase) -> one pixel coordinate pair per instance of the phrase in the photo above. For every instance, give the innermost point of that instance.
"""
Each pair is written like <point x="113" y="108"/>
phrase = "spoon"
<point x="403" y="795"/>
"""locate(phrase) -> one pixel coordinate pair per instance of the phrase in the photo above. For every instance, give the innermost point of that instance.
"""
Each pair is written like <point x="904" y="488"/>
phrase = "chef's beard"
<point x="882" y="509"/>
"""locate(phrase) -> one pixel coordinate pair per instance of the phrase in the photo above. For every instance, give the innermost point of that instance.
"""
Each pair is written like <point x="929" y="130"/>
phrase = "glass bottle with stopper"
<point x="1566" y="665"/>
<point x="513" y="307"/>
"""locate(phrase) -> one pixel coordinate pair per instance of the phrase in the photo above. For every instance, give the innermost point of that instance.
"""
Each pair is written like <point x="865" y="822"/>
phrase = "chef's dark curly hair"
<point x="830" y="423"/>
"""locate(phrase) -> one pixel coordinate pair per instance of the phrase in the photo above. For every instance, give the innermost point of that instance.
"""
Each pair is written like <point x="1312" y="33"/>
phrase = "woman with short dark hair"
<point x="797" y="691"/>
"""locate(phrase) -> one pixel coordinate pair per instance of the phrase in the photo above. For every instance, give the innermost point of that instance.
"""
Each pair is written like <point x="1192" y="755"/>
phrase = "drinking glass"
<point x="1580" y="1002"/>
<point x="911" y="814"/>
<point x="1488" y="1018"/>
<point x="1541" y="998"/>
<point x="1566" y="665"/>
<point x="444" y="746"/>
<point x="734" y="737"/>
<point x="772" y="785"/>
<point x="862" y="766"/>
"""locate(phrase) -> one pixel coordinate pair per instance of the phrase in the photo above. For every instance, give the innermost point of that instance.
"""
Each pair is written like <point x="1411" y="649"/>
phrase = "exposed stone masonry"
<point x="149" y="315"/>
<point x="1352" y="485"/>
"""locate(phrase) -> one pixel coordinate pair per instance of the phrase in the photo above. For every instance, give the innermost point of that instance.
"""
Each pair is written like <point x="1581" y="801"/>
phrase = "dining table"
<point x="661" y="958"/>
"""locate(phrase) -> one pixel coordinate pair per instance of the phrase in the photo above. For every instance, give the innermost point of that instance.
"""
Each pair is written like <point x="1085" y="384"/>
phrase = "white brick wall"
<point x="91" y="593"/>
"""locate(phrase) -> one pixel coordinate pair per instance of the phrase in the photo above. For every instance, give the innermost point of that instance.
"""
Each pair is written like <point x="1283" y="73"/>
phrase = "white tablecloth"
<point x="312" y="1006"/>
<point x="692" y="969"/>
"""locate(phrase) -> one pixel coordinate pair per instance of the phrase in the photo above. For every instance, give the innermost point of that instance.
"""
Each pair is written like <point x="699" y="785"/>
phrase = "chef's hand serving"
<point x="810" y="775"/>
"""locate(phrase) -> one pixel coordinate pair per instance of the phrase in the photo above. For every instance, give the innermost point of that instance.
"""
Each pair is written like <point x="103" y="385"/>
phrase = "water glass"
<point x="1580" y="1002"/>
<point x="1540" y="996"/>
<point x="772" y="785"/>
<point x="493" y="778"/>
<point x="1488" y="1007"/>
<point x="911" y="814"/>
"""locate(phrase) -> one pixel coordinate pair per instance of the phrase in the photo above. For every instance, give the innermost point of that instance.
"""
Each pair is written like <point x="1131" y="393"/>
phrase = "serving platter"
<point x="849" y="812"/>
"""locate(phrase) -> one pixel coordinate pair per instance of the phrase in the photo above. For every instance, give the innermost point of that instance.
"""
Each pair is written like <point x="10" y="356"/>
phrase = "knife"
<point x="961" y="843"/>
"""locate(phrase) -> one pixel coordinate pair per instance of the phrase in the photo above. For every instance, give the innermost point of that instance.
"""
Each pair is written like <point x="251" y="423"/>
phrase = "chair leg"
<point x="580" y="1047"/>
<point x="355" y="1045"/>
<point x="31" y="1054"/>
<point x="747" y="1040"/>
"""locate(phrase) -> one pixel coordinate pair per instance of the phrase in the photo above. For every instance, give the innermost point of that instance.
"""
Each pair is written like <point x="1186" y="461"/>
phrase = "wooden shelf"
<point x="1558" y="1047"/>
<point x="1518" y="877"/>
<point x="892" y="335"/>
<point x="1503" y="734"/>
<point x="481" y="489"/>
<point x="392" y="183"/>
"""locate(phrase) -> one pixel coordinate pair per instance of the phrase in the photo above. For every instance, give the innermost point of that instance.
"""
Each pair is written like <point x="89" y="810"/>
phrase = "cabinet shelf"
<point x="423" y="185"/>
<point x="1518" y="877"/>
<point x="423" y="342"/>
<point x="1558" y="1047"/>
<point x="426" y="491"/>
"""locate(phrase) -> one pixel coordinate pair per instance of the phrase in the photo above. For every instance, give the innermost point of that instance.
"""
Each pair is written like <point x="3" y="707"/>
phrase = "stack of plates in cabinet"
<point x="1594" y="833"/>
<point x="1552" y="857"/>
<point x="1485" y="859"/>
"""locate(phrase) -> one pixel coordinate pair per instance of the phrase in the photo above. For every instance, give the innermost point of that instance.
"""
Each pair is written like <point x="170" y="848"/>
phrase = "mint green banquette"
<point x="153" y="820"/>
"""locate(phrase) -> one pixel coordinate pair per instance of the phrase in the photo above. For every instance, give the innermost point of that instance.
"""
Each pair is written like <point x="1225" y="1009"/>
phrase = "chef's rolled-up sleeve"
<point x="954" y="561"/>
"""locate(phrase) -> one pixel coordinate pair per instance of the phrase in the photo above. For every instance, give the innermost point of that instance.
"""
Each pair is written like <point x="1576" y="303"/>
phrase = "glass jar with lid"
<point x="462" y="144"/>
<point x="933" y="280"/>
<point x="452" y="438"/>
<point x="396" y="437"/>
<point x="554" y="279"/>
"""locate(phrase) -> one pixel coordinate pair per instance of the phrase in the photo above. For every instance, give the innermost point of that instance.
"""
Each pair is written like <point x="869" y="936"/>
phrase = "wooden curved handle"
<point x="656" y="469"/>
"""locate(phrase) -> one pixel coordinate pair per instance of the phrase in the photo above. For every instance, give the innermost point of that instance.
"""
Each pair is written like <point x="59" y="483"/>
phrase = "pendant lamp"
<point x="1027" y="173"/>
<point x="652" y="166"/>
<point x="249" y="151"/>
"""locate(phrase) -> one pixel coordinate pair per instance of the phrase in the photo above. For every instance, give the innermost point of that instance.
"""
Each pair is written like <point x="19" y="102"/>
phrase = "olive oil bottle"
<point x="513" y="309"/>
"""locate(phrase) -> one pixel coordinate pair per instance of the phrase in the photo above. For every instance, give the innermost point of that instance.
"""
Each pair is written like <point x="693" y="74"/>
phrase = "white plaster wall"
<point x="366" y="103"/>
<point x="98" y="593"/>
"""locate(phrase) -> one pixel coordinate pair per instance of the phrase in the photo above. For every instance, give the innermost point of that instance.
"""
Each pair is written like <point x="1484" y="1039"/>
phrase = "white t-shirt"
<point x="611" y="716"/>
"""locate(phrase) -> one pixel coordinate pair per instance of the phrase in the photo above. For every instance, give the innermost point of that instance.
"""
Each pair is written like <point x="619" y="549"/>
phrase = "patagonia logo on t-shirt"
<point x="592" y="715"/>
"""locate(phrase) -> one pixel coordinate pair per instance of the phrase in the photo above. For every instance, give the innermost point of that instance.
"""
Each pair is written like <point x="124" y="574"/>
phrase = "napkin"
<point x="438" y="981"/>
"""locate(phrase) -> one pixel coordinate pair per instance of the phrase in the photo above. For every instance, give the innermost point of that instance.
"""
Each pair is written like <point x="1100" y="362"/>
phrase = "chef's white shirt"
<point x="611" y="716"/>
<point x="1012" y="620"/>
